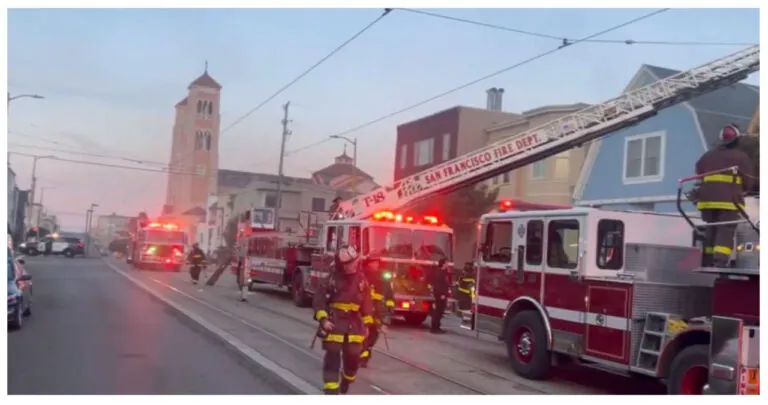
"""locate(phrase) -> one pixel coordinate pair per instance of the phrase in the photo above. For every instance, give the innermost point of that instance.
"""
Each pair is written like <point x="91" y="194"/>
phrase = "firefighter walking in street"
<point x="196" y="259"/>
<point x="719" y="191"/>
<point x="439" y="284"/>
<point x="383" y="300"/>
<point x="344" y="310"/>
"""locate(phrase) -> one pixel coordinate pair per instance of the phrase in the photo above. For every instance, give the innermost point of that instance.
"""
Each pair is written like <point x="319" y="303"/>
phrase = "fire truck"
<point x="157" y="244"/>
<point x="406" y="244"/>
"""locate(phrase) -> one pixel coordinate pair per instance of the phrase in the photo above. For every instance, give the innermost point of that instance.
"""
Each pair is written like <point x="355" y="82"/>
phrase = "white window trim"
<point x="533" y="172"/>
<point x="431" y="160"/>
<point x="446" y="152"/>
<point x="662" y="159"/>
<point x="403" y="156"/>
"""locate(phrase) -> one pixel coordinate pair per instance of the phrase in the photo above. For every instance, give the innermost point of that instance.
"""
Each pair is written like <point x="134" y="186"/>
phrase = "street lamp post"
<point x="18" y="96"/>
<point x="34" y="183"/>
<point x="88" y="217"/>
<point x="354" y="157"/>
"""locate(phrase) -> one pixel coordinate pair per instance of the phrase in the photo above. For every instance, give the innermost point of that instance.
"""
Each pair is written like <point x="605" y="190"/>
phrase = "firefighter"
<point x="332" y="214"/>
<point x="718" y="193"/>
<point x="196" y="258"/>
<point x="439" y="284"/>
<point x="383" y="300"/>
<point x="465" y="286"/>
<point x="344" y="310"/>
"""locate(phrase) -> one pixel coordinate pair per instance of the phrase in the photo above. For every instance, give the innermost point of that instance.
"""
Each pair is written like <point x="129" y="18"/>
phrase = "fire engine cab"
<point x="157" y="244"/>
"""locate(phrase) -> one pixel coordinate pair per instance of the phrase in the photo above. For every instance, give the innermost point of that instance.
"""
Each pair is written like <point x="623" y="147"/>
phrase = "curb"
<point x="253" y="358"/>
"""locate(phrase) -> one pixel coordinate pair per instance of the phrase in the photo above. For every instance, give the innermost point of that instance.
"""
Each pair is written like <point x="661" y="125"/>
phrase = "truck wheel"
<point x="300" y="297"/>
<point x="526" y="340"/>
<point x="689" y="371"/>
<point x="415" y="319"/>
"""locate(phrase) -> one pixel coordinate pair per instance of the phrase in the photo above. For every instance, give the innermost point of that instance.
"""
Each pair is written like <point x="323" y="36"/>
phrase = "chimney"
<point x="491" y="98"/>
<point x="499" y="96"/>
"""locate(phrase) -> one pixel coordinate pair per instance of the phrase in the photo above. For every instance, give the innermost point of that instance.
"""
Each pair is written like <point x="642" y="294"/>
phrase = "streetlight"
<point x="354" y="157"/>
<point x="18" y="96"/>
<point x="88" y="216"/>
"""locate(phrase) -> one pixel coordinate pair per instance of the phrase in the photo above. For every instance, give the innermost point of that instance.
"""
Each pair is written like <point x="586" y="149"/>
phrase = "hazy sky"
<point x="112" y="77"/>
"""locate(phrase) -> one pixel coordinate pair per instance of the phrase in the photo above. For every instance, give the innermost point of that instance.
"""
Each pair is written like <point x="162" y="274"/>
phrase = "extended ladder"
<point x="557" y="136"/>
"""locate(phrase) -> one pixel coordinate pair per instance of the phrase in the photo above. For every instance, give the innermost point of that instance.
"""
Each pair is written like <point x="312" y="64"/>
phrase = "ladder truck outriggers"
<point x="620" y="291"/>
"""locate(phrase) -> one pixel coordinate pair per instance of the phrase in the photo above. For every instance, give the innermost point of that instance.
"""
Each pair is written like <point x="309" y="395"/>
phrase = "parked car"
<point x="19" y="292"/>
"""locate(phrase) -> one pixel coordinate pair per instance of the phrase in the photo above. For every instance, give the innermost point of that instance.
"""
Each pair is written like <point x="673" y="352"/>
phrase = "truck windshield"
<point x="157" y="236"/>
<point x="396" y="243"/>
<point x="433" y="245"/>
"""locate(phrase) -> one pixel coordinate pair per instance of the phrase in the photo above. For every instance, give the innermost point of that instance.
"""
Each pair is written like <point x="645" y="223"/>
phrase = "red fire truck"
<point x="157" y="244"/>
<point x="405" y="244"/>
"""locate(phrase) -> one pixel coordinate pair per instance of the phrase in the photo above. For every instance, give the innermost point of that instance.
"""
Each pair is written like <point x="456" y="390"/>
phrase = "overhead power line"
<point x="475" y="81"/>
<point x="309" y="70"/>
<point x="98" y="155"/>
<point x="566" y="39"/>
<point x="84" y="162"/>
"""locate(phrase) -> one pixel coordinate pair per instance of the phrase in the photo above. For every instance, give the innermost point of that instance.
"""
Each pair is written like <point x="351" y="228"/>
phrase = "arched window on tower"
<point x="207" y="140"/>
<point x="210" y="109"/>
<point x="199" y="107"/>
<point x="198" y="140"/>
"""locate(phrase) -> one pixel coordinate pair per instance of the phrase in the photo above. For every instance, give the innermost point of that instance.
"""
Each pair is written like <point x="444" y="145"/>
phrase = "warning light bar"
<point x="515" y="205"/>
<point x="160" y="225"/>
<point x="391" y="216"/>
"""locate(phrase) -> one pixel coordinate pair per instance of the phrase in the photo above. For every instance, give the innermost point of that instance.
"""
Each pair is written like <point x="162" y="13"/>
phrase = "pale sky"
<point x="111" y="79"/>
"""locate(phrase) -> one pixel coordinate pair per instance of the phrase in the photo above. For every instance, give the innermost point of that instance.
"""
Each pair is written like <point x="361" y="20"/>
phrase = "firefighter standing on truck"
<point x="720" y="189"/>
<point x="383" y="300"/>
<point x="344" y="310"/>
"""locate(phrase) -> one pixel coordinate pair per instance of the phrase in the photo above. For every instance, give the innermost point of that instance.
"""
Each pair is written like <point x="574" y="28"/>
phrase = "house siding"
<point x="682" y="148"/>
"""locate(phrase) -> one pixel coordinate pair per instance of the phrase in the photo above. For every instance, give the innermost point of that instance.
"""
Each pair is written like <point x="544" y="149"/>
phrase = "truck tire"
<point x="415" y="319"/>
<point x="689" y="371"/>
<point x="300" y="297"/>
<point x="526" y="341"/>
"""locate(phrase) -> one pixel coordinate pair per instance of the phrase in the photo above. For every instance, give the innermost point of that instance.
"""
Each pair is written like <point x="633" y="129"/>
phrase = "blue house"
<point x="637" y="168"/>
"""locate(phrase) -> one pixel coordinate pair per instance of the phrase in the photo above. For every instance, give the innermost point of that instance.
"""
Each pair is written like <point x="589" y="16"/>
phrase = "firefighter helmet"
<point x="347" y="254"/>
<point x="729" y="134"/>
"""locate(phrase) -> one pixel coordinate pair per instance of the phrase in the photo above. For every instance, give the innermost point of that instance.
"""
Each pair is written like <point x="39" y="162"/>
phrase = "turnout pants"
<point x="370" y="342"/>
<point x="438" y="309"/>
<point x="718" y="239"/>
<point x="337" y="354"/>
<point x="194" y="271"/>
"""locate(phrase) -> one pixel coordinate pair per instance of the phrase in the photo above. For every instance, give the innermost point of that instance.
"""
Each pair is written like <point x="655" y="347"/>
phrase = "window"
<point x="495" y="180"/>
<point x="563" y="244"/>
<point x="506" y="177"/>
<point x="498" y="242"/>
<point x="446" y="146"/>
<point x="539" y="169"/>
<point x="403" y="156"/>
<point x="200" y="170"/>
<point x="432" y="245"/>
<point x="207" y="140"/>
<point x="210" y="109"/>
<point x="198" y="140"/>
<point x="389" y="242"/>
<point x="643" y="158"/>
<point x="270" y="200"/>
<point x="610" y="244"/>
<point x="534" y="242"/>
<point x="318" y="204"/>
<point x="423" y="152"/>
<point x="354" y="237"/>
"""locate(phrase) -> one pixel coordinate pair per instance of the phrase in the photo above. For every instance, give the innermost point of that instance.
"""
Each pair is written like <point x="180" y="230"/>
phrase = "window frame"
<point x="643" y="138"/>
<point x="417" y="152"/>
<point x="528" y="233"/>
<point x="542" y="164"/>
<point x="446" y="151"/>
<point x="599" y="244"/>
<point x="488" y="250"/>
<point x="551" y="222"/>
<point x="267" y="197"/>
<point x="314" y="205"/>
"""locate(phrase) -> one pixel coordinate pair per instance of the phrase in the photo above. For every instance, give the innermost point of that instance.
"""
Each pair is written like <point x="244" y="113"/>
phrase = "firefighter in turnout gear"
<point x="383" y="300"/>
<point x="465" y="287"/>
<point x="197" y="259"/>
<point x="344" y="310"/>
<point x="720" y="189"/>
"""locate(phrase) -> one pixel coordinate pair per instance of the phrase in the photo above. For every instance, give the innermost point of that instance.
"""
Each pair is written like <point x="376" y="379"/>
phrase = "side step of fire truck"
<point x="556" y="136"/>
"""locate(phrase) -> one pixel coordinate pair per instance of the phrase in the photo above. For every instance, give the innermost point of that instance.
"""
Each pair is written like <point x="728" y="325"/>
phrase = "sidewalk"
<point x="479" y="364"/>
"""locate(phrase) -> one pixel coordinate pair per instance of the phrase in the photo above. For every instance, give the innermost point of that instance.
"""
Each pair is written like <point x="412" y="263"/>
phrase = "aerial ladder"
<point x="562" y="134"/>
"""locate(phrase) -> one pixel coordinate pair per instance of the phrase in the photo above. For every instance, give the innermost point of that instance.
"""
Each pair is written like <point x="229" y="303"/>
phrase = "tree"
<point x="461" y="210"/>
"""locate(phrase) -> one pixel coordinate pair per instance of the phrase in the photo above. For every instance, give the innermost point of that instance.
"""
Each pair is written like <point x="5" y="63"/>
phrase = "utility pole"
<point x="286" y="134"/>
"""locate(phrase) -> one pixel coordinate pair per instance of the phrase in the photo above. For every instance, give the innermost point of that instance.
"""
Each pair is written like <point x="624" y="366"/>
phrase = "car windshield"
<point x="433" y="245"/>
<point x="154" y="236"/>
<point x="396" y="243"/>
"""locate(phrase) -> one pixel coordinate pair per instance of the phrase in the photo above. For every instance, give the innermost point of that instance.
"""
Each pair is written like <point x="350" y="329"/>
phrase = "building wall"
<point x="681" y="148"/>
<point x="461" y="128"/>
<point x="12" y="196"/>
<point x="107" y="227"/>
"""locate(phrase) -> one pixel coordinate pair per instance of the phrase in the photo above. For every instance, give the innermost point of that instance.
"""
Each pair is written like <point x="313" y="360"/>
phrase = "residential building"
<point x="194" y="159"/>
<point x="110" y="227"/>
<point x="442" y="136"/>
<point x="12" y="201"/>
<point x="638" y="167"/>
<point x="548" y="181"/>
<point x="22" y="207"/>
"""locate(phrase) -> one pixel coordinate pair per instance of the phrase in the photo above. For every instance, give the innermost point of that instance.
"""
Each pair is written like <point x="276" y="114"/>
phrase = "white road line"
<point x="287" y="376"/>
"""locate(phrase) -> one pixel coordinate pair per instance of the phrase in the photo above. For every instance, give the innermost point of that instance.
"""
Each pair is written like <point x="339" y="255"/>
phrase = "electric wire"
<point x="97" y="155"/>
<point x="566" y="39"/>
<point x="85" y="162"/>
<point x="473" y="82"/>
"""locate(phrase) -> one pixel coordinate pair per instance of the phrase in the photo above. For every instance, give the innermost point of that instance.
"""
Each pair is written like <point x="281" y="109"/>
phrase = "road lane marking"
<point x="290" y="378"/>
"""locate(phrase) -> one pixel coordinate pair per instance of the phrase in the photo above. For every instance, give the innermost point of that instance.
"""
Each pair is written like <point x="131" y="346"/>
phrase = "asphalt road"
<point x="94" y="332"/>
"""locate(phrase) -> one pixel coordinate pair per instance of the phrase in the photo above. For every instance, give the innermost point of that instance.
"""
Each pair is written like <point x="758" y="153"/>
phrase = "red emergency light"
<point x="161" y="225"/>
<point x="510" y="205"/>
<point x="393" y="217"/>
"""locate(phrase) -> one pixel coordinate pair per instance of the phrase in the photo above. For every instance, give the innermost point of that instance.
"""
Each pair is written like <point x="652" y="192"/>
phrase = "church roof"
<point x="205" y="80"/>
<point x="182" y="102"/>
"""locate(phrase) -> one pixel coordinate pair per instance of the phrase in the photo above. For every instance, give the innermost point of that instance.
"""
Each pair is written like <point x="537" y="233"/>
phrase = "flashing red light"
<point x="506" y="204"/>
<point x="431" y="220"/>
<point x="405" y="305"/>
<point x="409" y="219"/>
<point x="163" y="226"/>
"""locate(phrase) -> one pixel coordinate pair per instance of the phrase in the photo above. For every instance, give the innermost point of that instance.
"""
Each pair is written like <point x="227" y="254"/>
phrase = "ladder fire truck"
<point x="406" y="244"/>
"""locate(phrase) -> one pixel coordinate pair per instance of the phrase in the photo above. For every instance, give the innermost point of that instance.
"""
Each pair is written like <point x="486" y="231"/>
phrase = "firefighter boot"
<point x="345" y="383"/>
<point x="365" y="357"/>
